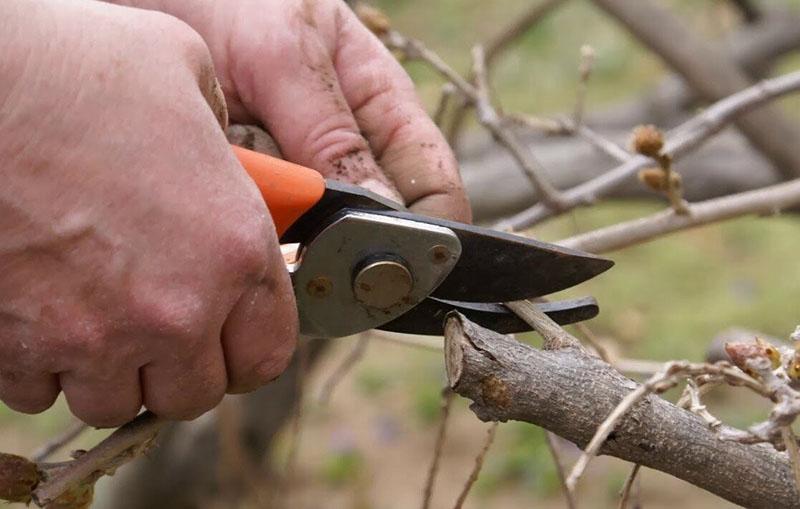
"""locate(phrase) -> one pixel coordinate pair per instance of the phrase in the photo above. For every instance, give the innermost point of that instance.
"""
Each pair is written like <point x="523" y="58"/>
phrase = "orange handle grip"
<point x="289" y="190"/>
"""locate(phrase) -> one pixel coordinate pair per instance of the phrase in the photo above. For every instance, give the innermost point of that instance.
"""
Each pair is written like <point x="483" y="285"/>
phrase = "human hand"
<point x="329" y="93"/>
<point x="138" y="263"/>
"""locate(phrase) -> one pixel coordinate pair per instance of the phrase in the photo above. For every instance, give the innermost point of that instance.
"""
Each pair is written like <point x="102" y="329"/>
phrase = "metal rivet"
<point x="439" y="254"/>
<point x="383" y="284"/>
<point x="319" y="287"/>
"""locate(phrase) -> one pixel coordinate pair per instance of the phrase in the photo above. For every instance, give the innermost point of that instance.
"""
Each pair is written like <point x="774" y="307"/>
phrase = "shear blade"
<point x="427" y="318"/>
<point x="500" y="267"/>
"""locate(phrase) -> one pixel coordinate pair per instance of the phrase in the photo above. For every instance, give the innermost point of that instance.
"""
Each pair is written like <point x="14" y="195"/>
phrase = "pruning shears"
<point x="364" y="262"/>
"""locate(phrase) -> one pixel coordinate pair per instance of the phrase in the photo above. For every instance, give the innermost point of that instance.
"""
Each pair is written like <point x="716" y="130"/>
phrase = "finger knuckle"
<point x="247" y="245"/>
<point x="279" y="357"/>
<point x="85" y="338"/>
<point x="175" y="314"/>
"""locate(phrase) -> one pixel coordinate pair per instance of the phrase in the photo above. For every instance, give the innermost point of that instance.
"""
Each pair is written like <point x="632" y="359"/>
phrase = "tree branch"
<point x="682" y="140"/>
<point x="769" y="200"/>
<point x="569" y="392"/>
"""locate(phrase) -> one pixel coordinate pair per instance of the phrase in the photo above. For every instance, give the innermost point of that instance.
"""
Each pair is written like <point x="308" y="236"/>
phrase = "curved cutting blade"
<point x="427" y="318"/>
<point x="500" y="267"/>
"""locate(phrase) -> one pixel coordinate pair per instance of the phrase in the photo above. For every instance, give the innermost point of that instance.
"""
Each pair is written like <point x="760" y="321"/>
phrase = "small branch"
<point x="51" y="447"/>
<point x="519" y="25"/>
<point x="698" y="408"/>
<point x="126" y="443"/>
<point x="595" y="343"/>
<point x="627" y="488"/>
<point x="681" y="141"/>
<point x="489" y="118"/>
<point x="479" y="97"/>
<point x="552" y="446"/>
<point x="445" y="98"/>
<point x="585" y="72"/>
<point x="609" y="424"/>
<point x="447" y="403"/>
<point x="554" y="336"/>
<point x="476" y="470"/>
<point x="768" y="200"/>
<point x="495" y="46"/>
<point x="421" y="342"/>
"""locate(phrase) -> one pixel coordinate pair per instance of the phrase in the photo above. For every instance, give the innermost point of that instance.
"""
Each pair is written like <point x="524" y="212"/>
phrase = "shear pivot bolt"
<point x="383" y="284"/>
<point x="319" y="287"/>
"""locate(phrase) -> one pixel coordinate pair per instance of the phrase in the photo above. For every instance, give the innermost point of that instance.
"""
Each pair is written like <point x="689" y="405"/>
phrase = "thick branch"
<point x="710" y="73"/>
<point x="570" y="392"/>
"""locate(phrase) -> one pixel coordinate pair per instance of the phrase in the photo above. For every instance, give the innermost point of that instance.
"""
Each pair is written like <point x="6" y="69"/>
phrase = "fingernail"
<point x="381" y="188"/>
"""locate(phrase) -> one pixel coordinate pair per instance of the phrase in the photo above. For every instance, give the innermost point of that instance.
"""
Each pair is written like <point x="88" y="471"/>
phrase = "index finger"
<point x="403" y="138"/>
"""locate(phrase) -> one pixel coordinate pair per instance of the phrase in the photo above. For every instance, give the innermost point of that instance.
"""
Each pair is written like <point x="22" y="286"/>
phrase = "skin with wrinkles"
<point x="138" y="264"/>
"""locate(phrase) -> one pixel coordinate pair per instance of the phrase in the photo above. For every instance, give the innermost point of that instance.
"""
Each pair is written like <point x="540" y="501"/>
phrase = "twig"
<point x="447" y="401"/>
<point x="120" y="447"/>
<point x="768" y="200"/>
<point x="595" y="343"/>
<point x="343" y="369"/>
<point x="585" y="72"/>
<point x="495" y="46"/>
<point x="680" y="141"/>
<point x="603" y="144"/>
<point x="478" y="95"/>
<point x="554" y="336"/>
<point x="476" y="470"/>
<point x="296" y="428"/>
<point x="448" y="90"/>
<point x="607" y="427"/>
<point x="698" y="408"/>
<point x="49" y="448"/>
<point x="552" y="445"/>
<point x="424" y="343"/>
<point x="627" y="488"/>
<point x="491" y="120"/>
<point x="668" y="377"/>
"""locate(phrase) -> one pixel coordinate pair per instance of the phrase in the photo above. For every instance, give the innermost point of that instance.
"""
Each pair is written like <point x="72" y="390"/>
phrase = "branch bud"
<point x="647" y="140"/>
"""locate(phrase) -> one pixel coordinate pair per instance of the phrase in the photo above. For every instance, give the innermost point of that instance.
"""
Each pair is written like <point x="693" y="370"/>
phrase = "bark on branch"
<point x="570" y="392"/>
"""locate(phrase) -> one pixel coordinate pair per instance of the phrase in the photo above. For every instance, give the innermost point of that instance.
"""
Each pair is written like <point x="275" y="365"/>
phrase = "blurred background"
<point x="370" y="444"/>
